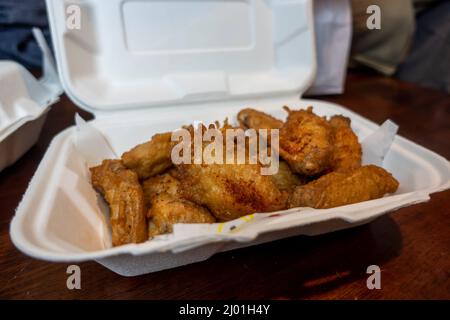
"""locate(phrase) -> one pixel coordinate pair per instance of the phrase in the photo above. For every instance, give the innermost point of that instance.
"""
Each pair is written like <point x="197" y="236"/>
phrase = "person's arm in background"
<point x="413" y="43"/>
<point x="382" y="49"/>
<point x="428" y="62"/>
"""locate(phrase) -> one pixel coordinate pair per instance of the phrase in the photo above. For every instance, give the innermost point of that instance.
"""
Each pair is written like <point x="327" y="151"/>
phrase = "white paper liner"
<point x="376" y="146"/>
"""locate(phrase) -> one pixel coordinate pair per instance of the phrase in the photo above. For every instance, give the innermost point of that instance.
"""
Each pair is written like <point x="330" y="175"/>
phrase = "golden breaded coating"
<point x="341" y="188"/>
<point x="347" y="151"/>
<point x="167" y="210"/>
<point x="305" y="142"/>
<point x="150" y="158"/>
<point x="254" y="119"/>
<point x="122" y="191"/>
<point x="285" y="179"/>
<point x="163" y="183"/>
<point x="230" y="190"/>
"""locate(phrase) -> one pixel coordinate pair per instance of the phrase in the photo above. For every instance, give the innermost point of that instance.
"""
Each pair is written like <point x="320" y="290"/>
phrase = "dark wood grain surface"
<point x="411" y="245"/>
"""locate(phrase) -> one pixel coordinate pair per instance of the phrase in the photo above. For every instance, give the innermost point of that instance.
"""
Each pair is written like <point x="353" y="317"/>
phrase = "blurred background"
<point x="413" y="43"/>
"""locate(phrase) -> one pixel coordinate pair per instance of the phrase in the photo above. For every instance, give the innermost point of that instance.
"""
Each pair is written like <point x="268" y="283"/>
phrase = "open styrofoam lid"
<point x="122" y="54"/>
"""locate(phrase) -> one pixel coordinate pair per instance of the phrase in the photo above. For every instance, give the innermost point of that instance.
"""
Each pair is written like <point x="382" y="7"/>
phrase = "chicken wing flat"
<point x="347" y="151"/>
<point x="230" y="190"/>
<point x="167" y="210"/>
<point x="338" y="188"/>
<point x="150" y="158"/>
<point x="305" y="142"/>
<point x="254" y="119"/>
<point x="121" y="189"/>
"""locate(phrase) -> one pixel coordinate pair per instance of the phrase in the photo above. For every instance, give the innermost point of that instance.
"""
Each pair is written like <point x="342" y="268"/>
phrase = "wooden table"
<point x="411" y="245"/>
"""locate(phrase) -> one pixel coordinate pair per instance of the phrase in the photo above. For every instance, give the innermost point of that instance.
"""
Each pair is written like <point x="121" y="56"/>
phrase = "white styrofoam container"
<point x="145" y="67"/>
<point x="24" y="101"/>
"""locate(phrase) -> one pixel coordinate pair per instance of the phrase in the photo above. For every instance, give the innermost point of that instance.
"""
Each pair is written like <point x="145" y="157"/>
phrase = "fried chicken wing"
<point x="123" y="193"/>
<point x="347" y="152"/>
<point x="254" y="119"/>
<point x="305" y="142"/>
<point x="341" y="188"/>
<point x="150" y="158"/>
<point x="167" y="210"/>
<point x="230" y="190"/>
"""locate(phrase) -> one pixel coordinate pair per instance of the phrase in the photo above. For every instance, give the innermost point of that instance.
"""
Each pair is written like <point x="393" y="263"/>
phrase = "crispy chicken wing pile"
<point x="319" y="167"/>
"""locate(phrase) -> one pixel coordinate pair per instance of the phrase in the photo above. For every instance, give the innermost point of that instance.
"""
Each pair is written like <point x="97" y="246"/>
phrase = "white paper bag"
<point x="333" y="31"/>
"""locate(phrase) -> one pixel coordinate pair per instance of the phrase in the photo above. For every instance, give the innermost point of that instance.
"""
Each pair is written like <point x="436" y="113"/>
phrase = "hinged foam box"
<point x="143" y="67"/>
<point x="24" y="102"/>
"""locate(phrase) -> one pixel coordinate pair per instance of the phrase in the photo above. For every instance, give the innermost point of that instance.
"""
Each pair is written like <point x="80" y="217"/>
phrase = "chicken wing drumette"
<point x="305" y="142"/>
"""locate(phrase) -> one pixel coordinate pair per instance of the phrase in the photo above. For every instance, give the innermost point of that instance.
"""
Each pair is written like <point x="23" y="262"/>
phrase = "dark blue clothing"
<point x="17" y="17"/>
<point x="428" y="62"/>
